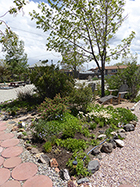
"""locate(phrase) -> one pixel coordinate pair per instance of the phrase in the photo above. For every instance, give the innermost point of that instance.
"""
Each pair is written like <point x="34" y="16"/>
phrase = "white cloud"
<point x="35" y="39"/>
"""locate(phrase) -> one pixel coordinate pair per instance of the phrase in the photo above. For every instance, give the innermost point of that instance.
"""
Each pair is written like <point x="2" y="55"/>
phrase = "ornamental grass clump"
<point x="53" y="109"/>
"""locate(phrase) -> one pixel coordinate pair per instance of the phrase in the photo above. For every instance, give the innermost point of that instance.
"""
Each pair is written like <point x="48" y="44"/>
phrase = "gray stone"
<point x="129" y="127"/>
<point x="34" y="150"/>
<point x="119" y="142"/>
<point x="82" y="180"/>
<point x="114" y="133"/>
<point x="122" y="135"/>
<point x="101" y="136"/>
<point x="95" y="151"/>
<point x="64" y="174"/>
<point x="41" y="160"/>
<point x="12" y="122"/>
<point x="93" y="166"/>
<point x="113" y="143"/>
<point x="46" y="158"/>
<point x="107" y="147"/>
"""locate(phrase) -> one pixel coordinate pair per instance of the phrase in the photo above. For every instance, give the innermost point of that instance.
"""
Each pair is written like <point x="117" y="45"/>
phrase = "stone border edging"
<point x="133" y="108"/>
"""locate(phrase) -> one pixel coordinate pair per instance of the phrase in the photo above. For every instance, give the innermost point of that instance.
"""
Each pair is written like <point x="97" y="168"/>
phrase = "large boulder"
<point x="107" y="147"/>
<point x="129" y="127"/>
<point x="93" y="166"/>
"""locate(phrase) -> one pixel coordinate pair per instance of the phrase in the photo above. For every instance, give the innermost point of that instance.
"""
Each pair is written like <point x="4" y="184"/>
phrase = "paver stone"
<point x="1" y="160"/>
<point x="5" y="136"/>
<point x="12" y="152"/>
<point x="12" y="162"/>
<point x="24" y="171"/>
<point x="4" y="175"/>
<point x="11" y="184"/>
<point x="38" y="181"/>
<point x="9" y="142"/>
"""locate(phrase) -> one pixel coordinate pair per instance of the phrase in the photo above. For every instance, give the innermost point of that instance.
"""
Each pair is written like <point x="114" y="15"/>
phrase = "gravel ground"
<point x="10" y="94"/>
<point x="122" y="166"/>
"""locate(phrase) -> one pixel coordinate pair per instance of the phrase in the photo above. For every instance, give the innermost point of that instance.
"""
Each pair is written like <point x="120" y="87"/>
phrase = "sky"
<point x="35" y="39"/>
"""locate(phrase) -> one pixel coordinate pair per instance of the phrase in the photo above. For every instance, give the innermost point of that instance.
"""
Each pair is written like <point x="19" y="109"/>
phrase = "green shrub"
<point x="49" y="81"/>
<point x="81" y="97"/>
<point x="81" y="169"/>
<point x="53" y="109"/>
<point x="69" y="132"/>
<point x="72" y="144"/>
<point x="93" y="125"/>
<point x="86" y="132"/>
<point x="48" y="147"/>
<point x="101" y="124"/>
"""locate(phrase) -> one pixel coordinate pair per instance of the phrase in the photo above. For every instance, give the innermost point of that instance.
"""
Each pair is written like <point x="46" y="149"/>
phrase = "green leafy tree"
<point x="88" y="25"/>
<point x="15" y="58"/>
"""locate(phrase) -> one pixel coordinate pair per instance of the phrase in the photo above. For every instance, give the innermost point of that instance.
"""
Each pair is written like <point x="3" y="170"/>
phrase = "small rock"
<point x="129" y="127"/>
<point x="12" y="122"/>
<point x="95" y="151"/>
<point x="119" y="142"/>
<point x="101" y="131"/>
<point x="72" y="182"/>
<point x="64" y="174"/>
<point x="93" y="166"/>
<point x="41" y="160"/>
<point x="27" y="145"/>
<point x="29" y="148"/>
<point x="15" y="128"/>
<point x="53" y="163"/>
<point x="57" y="170"/>
<point x="83" y="180"/>
<point x="101" y="136"/>
<point x="20" y="125"/>
<point x="107" y="147"/>
<point x="21" y="130"/>
<point x="122" y="135"/>
<point x="114" y="133"/>
<point x="46" y="158"/>
<point x="23" y="124"/>
<point x="134" y="123"/>
<point x="34" y="150"/>
<point x="113" y="143"/>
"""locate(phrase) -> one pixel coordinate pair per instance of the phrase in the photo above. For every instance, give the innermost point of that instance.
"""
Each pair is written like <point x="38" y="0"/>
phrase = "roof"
<point x="114" y="67"/>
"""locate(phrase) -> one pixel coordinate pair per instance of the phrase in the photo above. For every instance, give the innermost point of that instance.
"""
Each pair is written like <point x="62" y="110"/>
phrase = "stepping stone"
<point x="6" y="136"/>
<point x="11" y="184"/>
<point x="24" y="171"/>
<point x="1" y="149"/>
<point x="2" y="132"/>
<point x="3" y="128"/>
<point x="2" y="123"/>
<point x="38" y="181"/>
<point x="12" y="152"/>
<point x="9" y="142"/>
<point x="1" y="160"/>
<point x="12" y="162"/>
<point x="4" y="175"/>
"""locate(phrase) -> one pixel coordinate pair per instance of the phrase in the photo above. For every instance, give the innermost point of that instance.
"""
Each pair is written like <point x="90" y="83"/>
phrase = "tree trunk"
<point x="102" y="80"/>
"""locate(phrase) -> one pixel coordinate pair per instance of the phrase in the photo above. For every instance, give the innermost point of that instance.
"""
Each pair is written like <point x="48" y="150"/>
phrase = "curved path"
<point x="14" y="173"/>
<point x="121" y="168"/>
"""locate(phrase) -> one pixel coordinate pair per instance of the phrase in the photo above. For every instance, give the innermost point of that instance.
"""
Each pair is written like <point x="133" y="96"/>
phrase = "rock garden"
<point x="70" y="141"/>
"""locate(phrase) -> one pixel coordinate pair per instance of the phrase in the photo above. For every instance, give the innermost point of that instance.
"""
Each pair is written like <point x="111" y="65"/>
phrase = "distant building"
<point x="109" y="70"/>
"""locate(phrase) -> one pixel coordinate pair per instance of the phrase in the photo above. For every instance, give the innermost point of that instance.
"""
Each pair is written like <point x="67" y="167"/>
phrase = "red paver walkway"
<point x="9" y="160"/>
